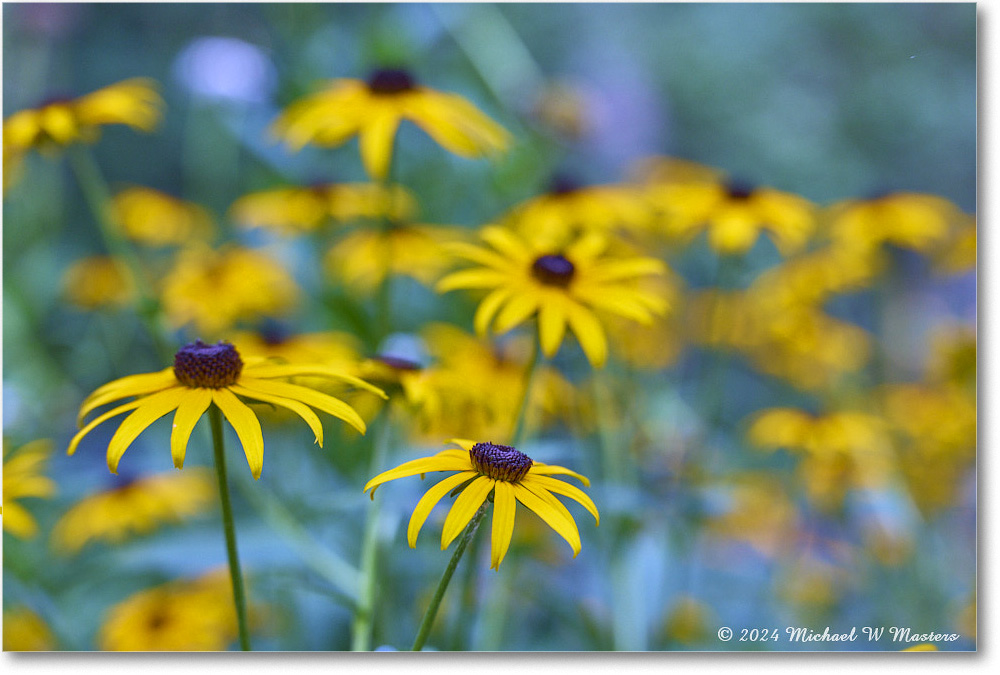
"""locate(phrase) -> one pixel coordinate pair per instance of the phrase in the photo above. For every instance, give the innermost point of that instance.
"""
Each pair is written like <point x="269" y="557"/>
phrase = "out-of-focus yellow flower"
<point x="953" y="357"/>
<point x="923" y="647"/>
<point x="663" y="170"/>
<point x="658" y="345"/>
<point x="760" y="513"/>
<point x="733" y="212"/>
<point x="294" y="210"/>
<point x="364" y="258"/>
<point x="372" y="110"/>
<point x="184" y="615"/>
<point x="420" y="388"/>
<point x="59" y="123"/>
<point x="24" y="631"/>
<point x="98" y="281"/>
<point x="959" y="254"/>
<point x="155" y="218"/>
<point x="563" y="287"/>
<point x="205" y="375"/>
<point x="810" y="279"/>
<point x="567" y="210"/>
<point x="330" y="348"/>
<point x="841" y="450"/>
<point x="907" y="219"/>
<point x="489" y="469"/>
<point x="23" y="476"/>
<point x="136" y="508"/>
<point x="216" y="289"/>
<point x="689" y="621"/>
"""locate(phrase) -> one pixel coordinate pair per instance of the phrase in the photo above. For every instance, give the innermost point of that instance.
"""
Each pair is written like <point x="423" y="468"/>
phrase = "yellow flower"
<point x="155" y="218"/>
<point x="651" y="171"/>
<point x="23" y="477"/>
<point x="183" y="615"/>
<point x="911" y="220"/>
<point x="509" y="476"/>
<point x="373" y="110"/>
<point x="294" y="210"/>
<point x="134" y="102"/>
<point x="203" y="375"/>
<point x="138" y="507"/>
<point x="331" y="348"/>
<point x="216" y="289"/>
<point x="568" y="209"/>
<point x="364" y="258"/>
<point x="760" y="513"/>
<point x="953" y="356"/>
<point x="98" y="281"/>
<point x="24" y="631"/>
<point x="734" y="213"/>
<point x="561" y="287"/>
<point x="959" y="254"/>
<point x="660" y="344"/>
<point x="689" y="621"/>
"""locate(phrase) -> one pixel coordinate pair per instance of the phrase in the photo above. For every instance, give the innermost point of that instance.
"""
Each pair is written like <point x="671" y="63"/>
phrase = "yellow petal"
<point x="540" y="469"/>
<point x="247" y="428"/>
<point x="628" y="268"/>
<point x="133" y="385"/>
<point x="376" y="138"/>
<point x="477" y="254"/>
<point x="418" y="466"/>
<point x="551" y="327"/>
<point x="18" y="522"/>
<point x="563" y="488"/>
<point x="505" y="241"/>
<point x="588" y="331"/>
<point x="488" y="308"/>
<point x="269" y="371"/>
<point x="478" y="277"/>
<point x="518" y="309"/>
<point x="504" y="506"/>
<point x="151" y="408"/>
<point x="465" y="506"/>
<point x="190" y="410"/>
<point x="430" y="500"/>
<point x="131" y="405"/>
<point x="463" y="443"/>
<point x="558" y="520"/>
<point x="300" y="409"/>
<point x="326" y="403"/>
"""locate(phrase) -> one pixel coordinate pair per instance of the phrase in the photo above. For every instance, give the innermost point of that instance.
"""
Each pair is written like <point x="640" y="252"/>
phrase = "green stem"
<point x="432" y="609"/>
<point x="235" y="575"/>
<point x="361" y="628"/>
<point x="463" y="619"/>
<point x="98" y="197"/>
<point x="517" y="435"/>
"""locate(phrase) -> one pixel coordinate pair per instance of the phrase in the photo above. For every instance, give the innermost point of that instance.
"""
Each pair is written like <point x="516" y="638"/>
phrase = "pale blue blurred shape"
<point x="222" y="68"/>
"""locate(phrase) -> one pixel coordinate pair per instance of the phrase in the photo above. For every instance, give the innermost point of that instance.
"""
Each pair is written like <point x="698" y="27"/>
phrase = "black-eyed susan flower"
<point x="136" y="508"/>
<point x="568" y="209"/>
<point x="182" y="615"/>
<point x="921" y="222"/>
<point x="562" y="287"/>
<point x="295" y="210"/>
<point x="215" y="289"/>
<point x="733" y="212"/>
<point x="25" y="631"/>
<point x="24" y="476"/>
<point x="61" y="122"/>
<point x="372" y="110"/>
<point x="205" y="375"/>
<point x="364" y="258"/>
<point x="499" y="472"/>
<point x="155" y="218"/>
<point x="99" y="281"/>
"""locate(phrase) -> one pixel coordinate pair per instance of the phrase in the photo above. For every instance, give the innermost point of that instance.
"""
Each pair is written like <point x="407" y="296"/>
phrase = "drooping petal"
<point x="133" y="385"/>
<point x="518" y="309"/>
<point x="125" y="407"/>
<point x="563" y="488"/>
<point x="478" y="277"/>
<point x="628" y="268"/>
<point x="504" y="507"/>
<point x="267" y="371"/>
<point x="541" y="469"/>
<point x="588" y="331"/>
<point x="326" y="403"/>
<point x="505" y="241"/>
<point x="190" y="410"/>
<point x="300" y="409"/>
<point x="376" y="138"/>
<point x="465" y="506"/>
<point x="418" y="466"/>
<point x="430" y="500"/>
<point x="477" y="254"/>
<point x="247" y="427"/>
<point x="551" y="326"/>
<point x="558" y="520"/>
<point x="488" y="308"/>
<point x="151" y="408"/>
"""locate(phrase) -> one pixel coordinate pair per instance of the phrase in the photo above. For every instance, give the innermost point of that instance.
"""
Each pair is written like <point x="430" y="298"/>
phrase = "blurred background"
<point x="830" y="102"/>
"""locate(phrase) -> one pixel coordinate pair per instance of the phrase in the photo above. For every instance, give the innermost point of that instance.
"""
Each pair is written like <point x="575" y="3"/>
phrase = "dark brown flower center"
<point x="563" y="185"/>
<point x="390" y="81"/>
<point x="500" y="462"/>
<point x="553" y="270"/>
<point x="209" y="366"/>
<point x="739" y="189"/>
